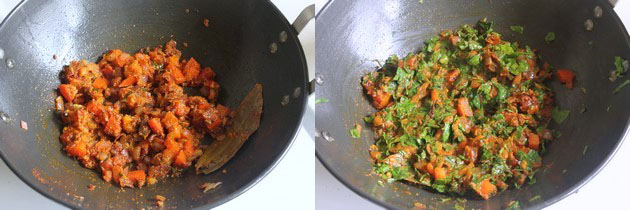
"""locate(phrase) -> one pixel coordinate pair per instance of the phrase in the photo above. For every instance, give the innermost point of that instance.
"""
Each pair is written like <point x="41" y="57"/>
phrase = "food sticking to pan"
<point x="128" y="116"/>
<point x="469" y="112"/>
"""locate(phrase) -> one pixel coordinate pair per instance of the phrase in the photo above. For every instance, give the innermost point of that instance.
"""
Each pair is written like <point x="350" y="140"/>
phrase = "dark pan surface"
<point x="236" y="46"/>
<point x="351" y="34"/>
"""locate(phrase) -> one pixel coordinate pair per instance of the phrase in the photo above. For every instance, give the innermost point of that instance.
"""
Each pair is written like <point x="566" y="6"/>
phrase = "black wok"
<point x="237" y="45"/>
<point x="351" y="34"/>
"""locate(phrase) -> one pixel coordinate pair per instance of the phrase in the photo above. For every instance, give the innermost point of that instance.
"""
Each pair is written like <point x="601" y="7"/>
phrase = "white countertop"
<point x="607" y="190"/>
<point x="292" y="180"/>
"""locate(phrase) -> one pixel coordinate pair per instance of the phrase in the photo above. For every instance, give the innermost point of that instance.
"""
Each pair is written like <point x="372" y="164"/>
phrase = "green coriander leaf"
<point x="517" y="28"/>
<point x="559" y="115"/>
<point x="535" y="198"/>
<point x="474" y="60"/>
<point x="356" y="131"/>
<point x="439" y="187"/>
<point x="585" y="149"/>
<point x="619" y="65"/>
<point x="619" y="69"/>
<point x="458" y="206"/>
<point x="532" y="181"/>
<point x="446" y="132"/>
<point x="321" y="100"/>
<point x="624" y="84"/>
<point x="484" y="25"/>
<point x="514" y="205"/>
<point x="369" y="119"/>
<point x="550" y="37"/>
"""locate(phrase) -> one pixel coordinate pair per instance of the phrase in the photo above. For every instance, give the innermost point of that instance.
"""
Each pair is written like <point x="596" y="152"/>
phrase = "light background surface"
<point x="607" y="190"/>
<point x="289" y="185"/>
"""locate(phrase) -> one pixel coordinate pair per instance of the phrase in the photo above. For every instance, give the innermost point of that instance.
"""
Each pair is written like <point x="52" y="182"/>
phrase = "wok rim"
<point x="546" y="202"/>
<point x="293" y="36"/>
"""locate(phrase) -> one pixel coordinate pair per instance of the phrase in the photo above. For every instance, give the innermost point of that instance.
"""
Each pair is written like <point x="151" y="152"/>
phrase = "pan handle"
<point x="298" y="24"/>
<point x="305" y="16"/>
<point x="612" y="2"/>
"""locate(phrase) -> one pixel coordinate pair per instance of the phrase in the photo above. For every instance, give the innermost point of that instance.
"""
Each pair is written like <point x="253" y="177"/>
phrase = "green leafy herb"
<point x="535" y="198"/>
<point x="619" y="69"/>
<point x="449" y="92"/>
<point x="474" y="60"/>
<point x="369" y="119"/>
<point x="484" y="26"/>
<point x="624" y="84"/>
<point x="321" y="100"/>
<point x="514" y="205"/>
<point x="608" y="108"/>
<point x="585" y="149"/>
<point x="517" y="28"/>
<point x="445" y="199"/>
<point x="439" y="187"/>
<point x="356" y="131"/>
<point x="550" y="37"/>
<point x="532" y="181"/>
<point x="446" y="132"/>
<point x="619" y="65"/>
<point x="583" y="90"/>
<point x="458" y="206"/>
<point x="558" y="115"/>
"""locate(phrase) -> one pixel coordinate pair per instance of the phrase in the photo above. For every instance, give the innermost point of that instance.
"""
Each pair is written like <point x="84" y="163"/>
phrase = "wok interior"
<point x="355" y="33"/>
<point x="235" y="45"/>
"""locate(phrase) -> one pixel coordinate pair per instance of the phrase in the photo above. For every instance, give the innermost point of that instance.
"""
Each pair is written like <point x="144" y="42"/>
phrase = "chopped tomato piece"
<point x="486" y="189"/>
<point x="533" y="141"/>
<point x="452" y="75"/>
<point x="113" y="126"/>
<point x="122" y="59"/>
<point x="129" y="116"/>
<point x="191" y="70"/>
<point x="130" y="80"/>
<point x="381" y="99"/>
<point x="173" y="60"/>
<point x="463" y="107"/>
<point x="430" y="168"/>
<point x="180" y="160"/>
<point x="169" y="120"/>
<point x="108" y="70"/>
<point x="439" y="173"/>
<point x="566" y="76"/>
<point x="156" y="126"/>
<point x="100" y="83"/>
<point x="137" y="175"/>
<point x="68" y="92"/>
<point x="189" y="147"/>
<point x="176" y="74"/>
<point x="77" y="149"/>
<point x="435" y="96"/>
